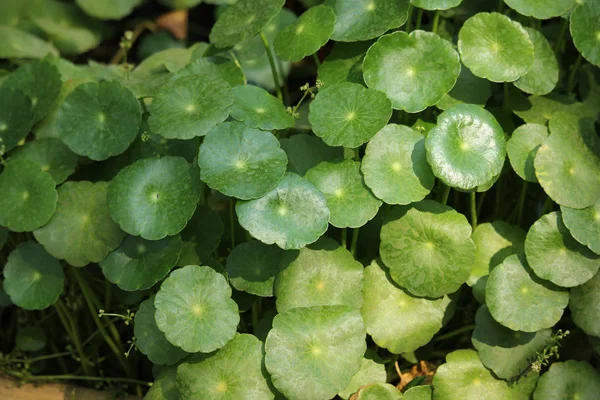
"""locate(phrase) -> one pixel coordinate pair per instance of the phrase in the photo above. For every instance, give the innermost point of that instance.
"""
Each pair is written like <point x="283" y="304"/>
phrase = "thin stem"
<point x="300" y="102"/>
<point x="521" y="203"/>
<point x="547" y="206"/>
<point x="419" y="18"/>
<point x="473" y="203"/>
<point x="561" y="37"/>
<point x="237" y="64"/>
<point x="436" y="21"/>
<point x="232" y="223"/>
<point x="344" y="237"/>
<point x="317" y="61"/>
<point x="500" y="6"/>
<point x="573" y="74"/>
<point x="455" y="333"/>
<point x="137" y="31"/>
<point x="480" y="202"/>
<point x="409" y="20"/>
<point x="354" y="241"/>
<point x="272" y="64"/>
<point x="506" y="101"/>
<point x="67" y="319"/>
<point x="445" y="195"/>
<point x="40" y="358"/>
<point x="76" y="378"/>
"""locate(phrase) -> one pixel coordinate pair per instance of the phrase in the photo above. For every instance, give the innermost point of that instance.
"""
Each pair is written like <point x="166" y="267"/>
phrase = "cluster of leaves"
<point x="213" y="208"/>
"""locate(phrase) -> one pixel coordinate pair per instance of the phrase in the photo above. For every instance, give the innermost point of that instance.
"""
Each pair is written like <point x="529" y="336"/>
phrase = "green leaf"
<point x="436" y="4"/>
<point x="521" y="301"/>
<point x="379" y="391"/>
<point x="344" y="63"/>
<point x="395" y="165"/>
<point x="31" y="338"/>
<point x="108" y="9"/>
<point x="16" y="117"/>
<point x="149" y="340"/>
<point x="306" y="35"/>
<point x="234" y="372"/>
<point x="51" y="156"/>
<point x="464" y="377"/>
<point x="241" y="162"/>
<point x="81" y="230"/>
<point x="366" y="19"/>
<point x="555" y="255"/>
<point x="243" y="20"/>
<point x="428" y="248"/>
<point x="543" y="75"/>
<point x="506" y="352"/>
<point x="218" y="66"/>
<point x="164" y="386"/>
<point x="585" y="30"/>
<point x="566" y="164"/>
<point x="569" y="379"/>
<point x="291" y="215"/>
<point x="154" y="198"/>
<point x="252" y="267"/>
<point x="28" y="196"/>
<point x="347" y="114"/>
<point x="541" y="9"/>
<point x="495" y="47"/>
<point x="394" y="318"/>
<point x="469" y="89"/>
<point x="350" y="202"/>
<point x="201" y="236"/>
<point x="190" y="106"/>
<point x="322" y="274"/>
<point x="541" y="109"/>
<point x="256" y="108"/>
<point x="312" y="353"/>
<point x="195" y="311"/>
<point x="418" y="393"/>
<point x="584" y="304"/>
<point x="99" y="120"/>
<point x="20" y="44"/>
<point x="180" y="4"/>
<point x="414" y="70"/>
<point x="138" y="264"/>
<point x="304" y="152"/>
<point x="494" y="241"/>
<point x="584" y="225"/>
<point x="522" y="148"/>
<point x="467" y="147"/>
<point x="372" y="370"/>
<point x="34" y="279"/>
<point x="41" y="82"/>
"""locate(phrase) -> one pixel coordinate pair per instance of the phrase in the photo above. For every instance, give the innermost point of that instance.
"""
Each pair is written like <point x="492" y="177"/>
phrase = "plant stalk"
<point x="317" y="61"/>
<point x="344" y="237"/>
<point x="445" y="195"/>
<point x="473" y="203"/>
<point x="273" y="68"/>
<point x="409" y="20"/>
<point x="573" y="74"/>
<point x="521" y="203"/>
<point x="436" y="21"/>
<point x="455" y="332"/>
<point x="354" y="241"/>
<point x="231" y="223"/>
<point x="69" y="324"/>
<point x="419" y="18"/>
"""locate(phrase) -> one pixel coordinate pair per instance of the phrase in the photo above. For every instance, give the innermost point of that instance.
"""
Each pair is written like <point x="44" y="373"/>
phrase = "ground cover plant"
<point x="261" y="199"/>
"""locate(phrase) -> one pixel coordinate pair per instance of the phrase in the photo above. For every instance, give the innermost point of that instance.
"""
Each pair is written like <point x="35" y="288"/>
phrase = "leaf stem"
<point x="344" y="237"/>
<point x="316" y="58"/>
<point x="455" y="332"/>
<point x="76" y="378"/>
<point x="354" y="241"/>
<point x="547" y="206"/>
<point x="445" y="195"/>
<point x="67" y="320"/>
<point x="573" y="74"/>
<point x="272" y="64"/>
<point x="521" y="203"/>
<point x="561" y="37"/>
<point x="480" y="202"/>
<point x="436" y="21"/>
<point x="409" y="19"/>
<point x="419" y="18"/>
<point x="473" y="203"/>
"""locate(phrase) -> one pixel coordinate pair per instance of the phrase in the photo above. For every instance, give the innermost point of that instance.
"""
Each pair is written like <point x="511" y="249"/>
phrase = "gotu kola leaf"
<point x="372" y="370"/>
<point x="256" y="108"/>
<point x="51" y="155"/>
<point x="585" y="30"/>
<point x="584" y="304"/>
<point x="542" y="77"/>
<point x="379" y="391"/>
<point x="435" y="4"/>
<point x="16" y="117"/>
<point x="201" y="236"/>
<point x="584" y="225"/>
<point x="305" y="151"/>
<point x="108" y="9"/>
<point x="569" y="379"/>
<point x="541" y="9"/>
<point x="522" y="148"/>
<point x="17" y="43"/>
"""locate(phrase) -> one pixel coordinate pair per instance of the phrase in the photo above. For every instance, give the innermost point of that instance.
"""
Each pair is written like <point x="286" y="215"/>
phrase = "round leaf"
<point x="154" y="198"/>
<point x="567" y="169"/>
<point x="108" y="9"/>
<point x="568" y="380"/>
<point x="16" y="117"/>
<point x="312" y="353"/>
<point x="350" y="202"/>
<point x="218" y="66"/>
<point x="256" y="108"/>
<point x="17" y="43"/>
<point x="435" y="4"/>
<point x="469" y="89"/>
<point x="372" y="370"/>
<point x="150" y="340"/>
<point x="235" y="372"/>
<point x="366" y="19"/>
<point x="522" y="148"/>
<point x="164" y="386"/>
<point x="395" y="165"/>
<point x="495" y="47"/>
<point x="415" y="71"/>
<point x="394" y="318"/>
<point x="291" y="215"/>
<point x="344" y="63"/>
<point x="585" y="306"/>
<point x="99" y="120"/>
<point x="541" y="9"/>
<point x="520" y="301"/>
<point x="467" y="147"/>
<point x="201" y="236"/>
<point x="585" y="30"/>
<point x="306" y="35"/>
<point x="138" y="263"/>
<point x="195" y="311"/>
<point x="323" y="274"/>
<point x="41" y="82"/>
<point x="252" y="267"/>
<point x="51" y="155"/>
<point x="543" y="76"/>
<point x="507" y="353"/>
<point x="304" y="152"/>
<point x="243" y="20"/>
<point x="554" y="255"/>
<point x="584" y="225"/>
<point x="418" y="393"/>
<point x="348" y="114"/>
<point x="464" y="377"/>
<point x="427" y="248"/>
<point x="240" y="161"/>
<point x="30" y="338"/>
<point x="379" y="391"/>
<point x="34" y="279"/>
<point x="28" y="196"/>
<point x="81" y="230"/>
<point x="190" y="106"/>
